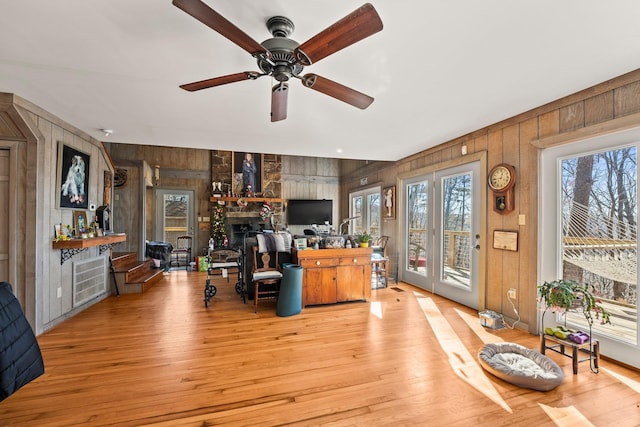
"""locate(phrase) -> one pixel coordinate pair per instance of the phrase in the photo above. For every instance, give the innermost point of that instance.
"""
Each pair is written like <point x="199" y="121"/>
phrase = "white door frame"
<point x="480" y="157"/>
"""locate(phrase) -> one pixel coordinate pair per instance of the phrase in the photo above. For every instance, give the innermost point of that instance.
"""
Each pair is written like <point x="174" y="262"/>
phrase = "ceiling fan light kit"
<point x="283" y="58"/>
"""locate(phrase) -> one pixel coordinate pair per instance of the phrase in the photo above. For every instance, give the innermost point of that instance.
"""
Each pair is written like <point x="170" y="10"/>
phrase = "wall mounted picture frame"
<point x="80" y="222"/>
<point x="389" y="202"/>
<point x="505" y="240"/>
<point x="72" y="177"/>
<point x="247" y="169"/>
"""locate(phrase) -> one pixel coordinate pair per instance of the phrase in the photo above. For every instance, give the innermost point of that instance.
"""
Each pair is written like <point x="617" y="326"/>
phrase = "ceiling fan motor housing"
<point x="282" y="65"/>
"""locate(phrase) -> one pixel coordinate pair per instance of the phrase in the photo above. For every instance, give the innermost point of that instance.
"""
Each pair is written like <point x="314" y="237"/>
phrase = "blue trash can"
<point x="290" y="298"/>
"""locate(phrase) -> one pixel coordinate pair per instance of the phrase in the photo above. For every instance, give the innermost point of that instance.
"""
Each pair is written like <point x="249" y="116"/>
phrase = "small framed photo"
<point x="389" y="205"/>
<point x="57" y="231"/>
<point x="301" y="243"/>
<point x="80" y="222"/>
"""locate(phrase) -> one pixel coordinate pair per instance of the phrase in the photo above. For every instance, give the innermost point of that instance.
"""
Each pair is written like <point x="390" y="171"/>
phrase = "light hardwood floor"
<point x="404" y="358"/>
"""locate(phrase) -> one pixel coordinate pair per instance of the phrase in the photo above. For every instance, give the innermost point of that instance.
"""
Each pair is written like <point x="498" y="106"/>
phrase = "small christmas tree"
<point x="217" y="224"/>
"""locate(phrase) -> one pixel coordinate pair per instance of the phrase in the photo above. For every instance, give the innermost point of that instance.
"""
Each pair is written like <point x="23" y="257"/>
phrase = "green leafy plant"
<point x="562" y="295"/>
<point x="363" y="237"/>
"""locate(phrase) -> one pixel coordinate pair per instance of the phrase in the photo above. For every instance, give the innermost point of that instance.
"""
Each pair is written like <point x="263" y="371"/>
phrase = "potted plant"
<point x="363" y="239"/>
<point x="562" y="295"/>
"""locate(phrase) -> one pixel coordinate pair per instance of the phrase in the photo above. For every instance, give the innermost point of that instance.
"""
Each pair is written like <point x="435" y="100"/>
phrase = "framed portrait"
<point x="80" y="222"/>
<point x="247" y="171"/>
<point x="389" y="202"/>
<point x="72" y="177"/>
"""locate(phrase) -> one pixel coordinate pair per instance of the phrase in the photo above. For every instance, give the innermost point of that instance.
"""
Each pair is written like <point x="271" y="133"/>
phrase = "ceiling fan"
<point x="283" y="58"/>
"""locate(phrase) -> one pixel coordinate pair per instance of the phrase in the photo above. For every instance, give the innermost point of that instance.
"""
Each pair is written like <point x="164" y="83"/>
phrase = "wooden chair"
<point x="380" y="261"/>
<point x="182" y="249"/>
<point x="266" y="276"/>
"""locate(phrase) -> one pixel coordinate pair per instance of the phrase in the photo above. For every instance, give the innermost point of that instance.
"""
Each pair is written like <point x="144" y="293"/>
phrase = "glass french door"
<point x="174" y="214"/>
<point x="456" y="237"/>
<point x="441" y="227"/>
<point x="417" y="232"/>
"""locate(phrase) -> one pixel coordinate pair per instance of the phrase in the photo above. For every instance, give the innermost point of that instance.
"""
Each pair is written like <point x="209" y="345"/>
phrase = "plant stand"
<point x="559" y="345"/>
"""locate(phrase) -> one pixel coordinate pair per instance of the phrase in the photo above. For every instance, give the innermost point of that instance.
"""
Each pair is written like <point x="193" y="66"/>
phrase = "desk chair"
<point x="182" y="250"/>
<point x="266" y="276"/>
<point x="380" y="261"/>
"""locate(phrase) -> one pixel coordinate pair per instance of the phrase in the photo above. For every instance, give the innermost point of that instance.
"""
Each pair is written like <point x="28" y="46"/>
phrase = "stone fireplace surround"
<point x="237" y="219"/>
<point x="237" y="223"/>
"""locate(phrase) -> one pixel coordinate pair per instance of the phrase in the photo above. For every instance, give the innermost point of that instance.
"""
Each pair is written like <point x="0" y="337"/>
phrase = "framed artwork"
<point x="505" y="240"/>
<point x="247" y="171"/>
<point x="389" y="206"/>
<point x="301" y="243"/>
<point x="57" y="231"/>
<point x="80" y="222"/>
<point x="72" y="177"/>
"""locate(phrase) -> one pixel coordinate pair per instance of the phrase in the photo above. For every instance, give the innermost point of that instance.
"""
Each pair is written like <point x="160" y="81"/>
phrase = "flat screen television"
<point x="307" y="212"/>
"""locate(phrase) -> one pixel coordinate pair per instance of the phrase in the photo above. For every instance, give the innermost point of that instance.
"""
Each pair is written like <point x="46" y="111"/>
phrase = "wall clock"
<point x="501" y="180"/>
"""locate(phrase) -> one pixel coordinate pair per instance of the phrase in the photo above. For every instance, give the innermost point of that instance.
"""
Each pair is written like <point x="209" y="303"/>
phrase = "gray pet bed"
<point x="521" y="366"/>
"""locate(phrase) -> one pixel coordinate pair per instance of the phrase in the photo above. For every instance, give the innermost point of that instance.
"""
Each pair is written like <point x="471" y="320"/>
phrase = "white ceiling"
<point x="438" y="69"/>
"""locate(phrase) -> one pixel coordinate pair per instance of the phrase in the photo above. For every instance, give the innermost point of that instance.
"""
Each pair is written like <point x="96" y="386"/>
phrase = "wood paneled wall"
<point x="288" y="177"/>
<point x="515" y="141"/>
<point x="311" y="178"/>
<point x="180" y="168"/>
<point x="43" y="285"/>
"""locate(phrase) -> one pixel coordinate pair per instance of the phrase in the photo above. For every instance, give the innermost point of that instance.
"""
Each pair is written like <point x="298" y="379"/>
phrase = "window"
<point x="587" y="231"/>
<point x="365" y="206"/>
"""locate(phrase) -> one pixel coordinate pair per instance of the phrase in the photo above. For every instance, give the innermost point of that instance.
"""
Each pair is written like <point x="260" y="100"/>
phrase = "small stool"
<point x="379" y="268"/>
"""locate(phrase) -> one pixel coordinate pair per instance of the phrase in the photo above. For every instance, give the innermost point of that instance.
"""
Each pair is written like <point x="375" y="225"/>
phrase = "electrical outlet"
<point x="59" y="292"/>
<point x="512" y="293"/>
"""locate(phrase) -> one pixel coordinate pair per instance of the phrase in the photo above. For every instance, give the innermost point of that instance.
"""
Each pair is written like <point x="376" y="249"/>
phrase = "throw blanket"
<point x="274" y="242"/>
<point x="20" y="358"/>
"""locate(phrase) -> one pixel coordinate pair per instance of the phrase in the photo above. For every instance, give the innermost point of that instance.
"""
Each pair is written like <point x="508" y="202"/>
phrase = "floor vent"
<point x="89" y="279"/>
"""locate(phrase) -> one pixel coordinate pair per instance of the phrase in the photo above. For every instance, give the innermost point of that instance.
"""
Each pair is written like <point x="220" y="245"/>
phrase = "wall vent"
<point x="89" y="279"/>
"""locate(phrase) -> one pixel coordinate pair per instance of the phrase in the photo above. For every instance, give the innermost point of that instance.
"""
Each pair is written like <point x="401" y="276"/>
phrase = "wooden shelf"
<point x="68" y="248"/>
<point x="248" y="199"/>
<point x="90" y="241"/>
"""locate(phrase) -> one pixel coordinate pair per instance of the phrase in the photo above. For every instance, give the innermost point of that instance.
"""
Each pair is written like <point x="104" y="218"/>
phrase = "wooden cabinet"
<point x="335" y="275"/>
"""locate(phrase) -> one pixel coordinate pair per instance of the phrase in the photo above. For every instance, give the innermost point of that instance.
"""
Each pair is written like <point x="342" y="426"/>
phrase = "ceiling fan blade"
<point x="279" y="95"/>
<point x="336" y="90"/>
<point x="354" y="27"/>
<point x="218" y="81"/>
<point x="219" y="23"/>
